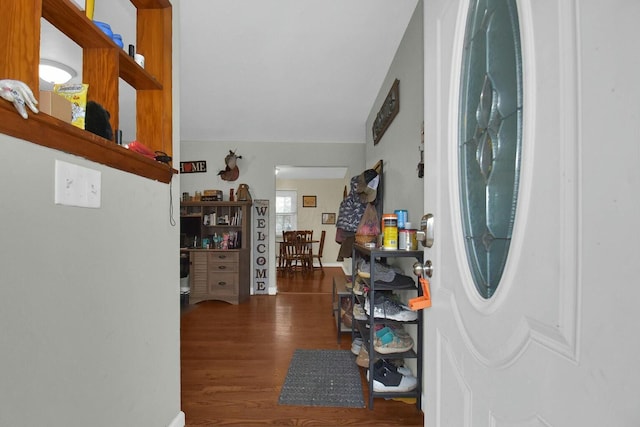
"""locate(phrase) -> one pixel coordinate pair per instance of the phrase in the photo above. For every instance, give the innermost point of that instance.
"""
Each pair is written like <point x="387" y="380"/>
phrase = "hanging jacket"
<point x="351" y="209"/>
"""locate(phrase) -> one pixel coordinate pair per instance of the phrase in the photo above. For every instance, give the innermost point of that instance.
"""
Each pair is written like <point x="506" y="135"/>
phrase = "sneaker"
<point x="388" y="379"/>
<point x="403" y="370"/>
<point x="360" y="287"/>
<point x="385" y="308"/>
<point x="382" y="330"/>
<point x="358" y="312"/>
<point x="383" y="272"/>
<point x="346" y="318"/>
<point x="363" y="358"/>
<point x="387" y="342"/>
<point x="356" y="345"/>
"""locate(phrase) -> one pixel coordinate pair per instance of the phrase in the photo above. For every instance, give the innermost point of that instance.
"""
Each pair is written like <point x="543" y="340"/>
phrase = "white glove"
<point x="20" y="94"/>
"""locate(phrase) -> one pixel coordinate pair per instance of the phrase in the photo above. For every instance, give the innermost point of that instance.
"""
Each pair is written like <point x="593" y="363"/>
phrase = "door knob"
<point x="425" y="234"/>
<point x="425" y="269"/>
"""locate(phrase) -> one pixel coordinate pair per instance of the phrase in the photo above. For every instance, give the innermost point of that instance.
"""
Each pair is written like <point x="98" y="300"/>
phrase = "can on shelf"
<point x="412" y="243"/>
<point x="390" y="231"/>
<point x="402" y="218"/>
<point x="403" y="240"/>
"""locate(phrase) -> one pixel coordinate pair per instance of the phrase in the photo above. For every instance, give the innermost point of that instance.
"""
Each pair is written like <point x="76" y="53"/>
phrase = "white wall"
<point x="257" y="169"/>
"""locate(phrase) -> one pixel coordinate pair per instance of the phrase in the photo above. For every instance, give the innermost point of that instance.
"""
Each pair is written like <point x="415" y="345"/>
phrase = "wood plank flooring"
<point x="234" y="359"/>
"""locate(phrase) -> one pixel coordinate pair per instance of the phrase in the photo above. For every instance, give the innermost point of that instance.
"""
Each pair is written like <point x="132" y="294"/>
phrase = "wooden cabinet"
<point x="104" y="63"/>
<point x="217" y="236"/>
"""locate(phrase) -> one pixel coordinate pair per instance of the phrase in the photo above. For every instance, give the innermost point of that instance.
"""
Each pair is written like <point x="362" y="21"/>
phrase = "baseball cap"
<point x="367" y="185"/>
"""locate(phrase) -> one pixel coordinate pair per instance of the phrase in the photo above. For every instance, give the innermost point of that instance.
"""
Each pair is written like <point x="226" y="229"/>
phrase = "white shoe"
<point x="356" y="345"/>
<point x="388" y="378"/>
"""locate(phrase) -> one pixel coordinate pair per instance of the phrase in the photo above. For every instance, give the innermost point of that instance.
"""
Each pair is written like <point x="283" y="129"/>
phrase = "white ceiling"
<point x="267" y="70"/>
<point x="284" y="70"/>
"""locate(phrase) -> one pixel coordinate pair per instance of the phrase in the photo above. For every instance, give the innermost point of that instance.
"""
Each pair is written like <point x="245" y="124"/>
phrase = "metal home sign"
<point x="197" y="166"/>
<point x="260" y="246"/>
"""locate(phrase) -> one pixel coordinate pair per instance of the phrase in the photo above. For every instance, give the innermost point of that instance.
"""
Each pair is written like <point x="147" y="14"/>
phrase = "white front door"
<point x="556" y="345"/>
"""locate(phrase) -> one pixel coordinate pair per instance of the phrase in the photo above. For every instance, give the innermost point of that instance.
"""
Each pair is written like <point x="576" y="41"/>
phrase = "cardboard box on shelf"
<point x="55" y="105"/>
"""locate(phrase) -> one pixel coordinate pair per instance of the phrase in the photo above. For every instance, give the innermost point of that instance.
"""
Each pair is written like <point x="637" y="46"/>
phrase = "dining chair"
<point x="297" y="251"/>
<point x="318" y="255"/>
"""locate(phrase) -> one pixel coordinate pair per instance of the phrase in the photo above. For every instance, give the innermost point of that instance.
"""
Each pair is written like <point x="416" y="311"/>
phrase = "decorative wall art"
<point x="309" y="201"/>
<point x="196" y="166"/>
<point x="328" y="218"/>
<point x="231" y="171"/>
<point x="387" y="113"/>
<point x="260" y="246"/>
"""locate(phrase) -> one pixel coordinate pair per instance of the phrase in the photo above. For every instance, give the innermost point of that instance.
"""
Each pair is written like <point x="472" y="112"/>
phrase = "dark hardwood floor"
<point x="234" y="359"/>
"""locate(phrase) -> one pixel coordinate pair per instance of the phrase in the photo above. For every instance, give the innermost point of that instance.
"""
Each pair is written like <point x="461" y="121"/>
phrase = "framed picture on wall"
<point x="328" y="218"/>
<point x="309" y="201"/>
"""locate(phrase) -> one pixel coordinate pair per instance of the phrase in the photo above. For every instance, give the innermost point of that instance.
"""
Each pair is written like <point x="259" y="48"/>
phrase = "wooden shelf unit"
<point x="103" y="64"/>
<point x="217" y="274"/>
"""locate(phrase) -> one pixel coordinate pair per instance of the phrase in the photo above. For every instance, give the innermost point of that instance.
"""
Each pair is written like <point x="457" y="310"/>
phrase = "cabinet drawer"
<point x="224" y="256"/>
<point x="223" y="284"/>
<point x="223" y="267"/>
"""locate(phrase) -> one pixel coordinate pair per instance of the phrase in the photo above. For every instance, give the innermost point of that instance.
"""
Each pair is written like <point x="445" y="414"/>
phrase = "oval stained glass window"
<point x="490" y="135"/>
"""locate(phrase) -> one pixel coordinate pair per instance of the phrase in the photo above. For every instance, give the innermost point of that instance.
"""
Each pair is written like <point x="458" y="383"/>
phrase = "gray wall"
<point x="90" y="299"/>
<point x="398" y="147"/>
<point x="89" y="312"/>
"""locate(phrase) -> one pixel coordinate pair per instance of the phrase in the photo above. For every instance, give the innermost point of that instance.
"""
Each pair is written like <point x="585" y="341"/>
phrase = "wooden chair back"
<point x="297" y="250"/>
<point x="318" y="256"/>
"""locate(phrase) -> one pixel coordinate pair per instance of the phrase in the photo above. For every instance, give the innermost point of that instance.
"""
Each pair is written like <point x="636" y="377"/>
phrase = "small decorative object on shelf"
<point x="243" y="193"/>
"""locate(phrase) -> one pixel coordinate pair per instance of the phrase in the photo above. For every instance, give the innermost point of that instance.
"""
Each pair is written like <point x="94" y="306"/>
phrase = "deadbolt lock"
<point x="425" y="234"/>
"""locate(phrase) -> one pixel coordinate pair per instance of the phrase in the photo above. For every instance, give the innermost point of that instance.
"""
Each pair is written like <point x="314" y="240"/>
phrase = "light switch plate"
<point x="77" y="186"/>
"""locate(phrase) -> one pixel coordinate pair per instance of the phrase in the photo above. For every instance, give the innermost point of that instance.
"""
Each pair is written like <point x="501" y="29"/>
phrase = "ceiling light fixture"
<point x="55" y="72"/>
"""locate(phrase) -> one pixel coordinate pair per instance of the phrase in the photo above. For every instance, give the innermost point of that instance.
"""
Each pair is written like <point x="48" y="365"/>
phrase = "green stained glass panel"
<point x="490" y="137"/>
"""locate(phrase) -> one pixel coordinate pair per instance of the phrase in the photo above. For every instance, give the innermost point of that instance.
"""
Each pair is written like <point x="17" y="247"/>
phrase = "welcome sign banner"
<point x="260" y="246"/>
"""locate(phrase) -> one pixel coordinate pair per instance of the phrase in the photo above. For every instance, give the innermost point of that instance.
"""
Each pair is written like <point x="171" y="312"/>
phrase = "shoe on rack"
<point x="389" y="343"/>
<point x="358" y="312"/>
<point x="382" y="329"/>
<point x="392" y="366"/>
<point x="363" y="357"/>
<point x="346" y="318"/>
<point x="387" y="378"/>
<point x="383" y="272"/>
<point x="386" y="308"/>
<point x="360" y="287"/>
<point x="355" y="346"/>
<point x="403" y="370"/>
<point x="348" y="283"/>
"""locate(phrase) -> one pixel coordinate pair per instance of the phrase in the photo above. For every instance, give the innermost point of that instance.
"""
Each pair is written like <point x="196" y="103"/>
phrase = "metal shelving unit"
<point x="366" y="329"/>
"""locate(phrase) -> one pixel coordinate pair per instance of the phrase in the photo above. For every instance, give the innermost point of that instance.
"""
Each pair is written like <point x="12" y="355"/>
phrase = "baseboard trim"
<point x="178" y="421"/>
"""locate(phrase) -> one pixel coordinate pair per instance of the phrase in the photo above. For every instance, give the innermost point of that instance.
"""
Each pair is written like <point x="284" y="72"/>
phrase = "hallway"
<point x="234" y="359"/>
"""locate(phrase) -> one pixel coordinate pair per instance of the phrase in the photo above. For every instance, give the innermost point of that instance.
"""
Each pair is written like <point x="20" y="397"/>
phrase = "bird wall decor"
<point x="231" y="171"/>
